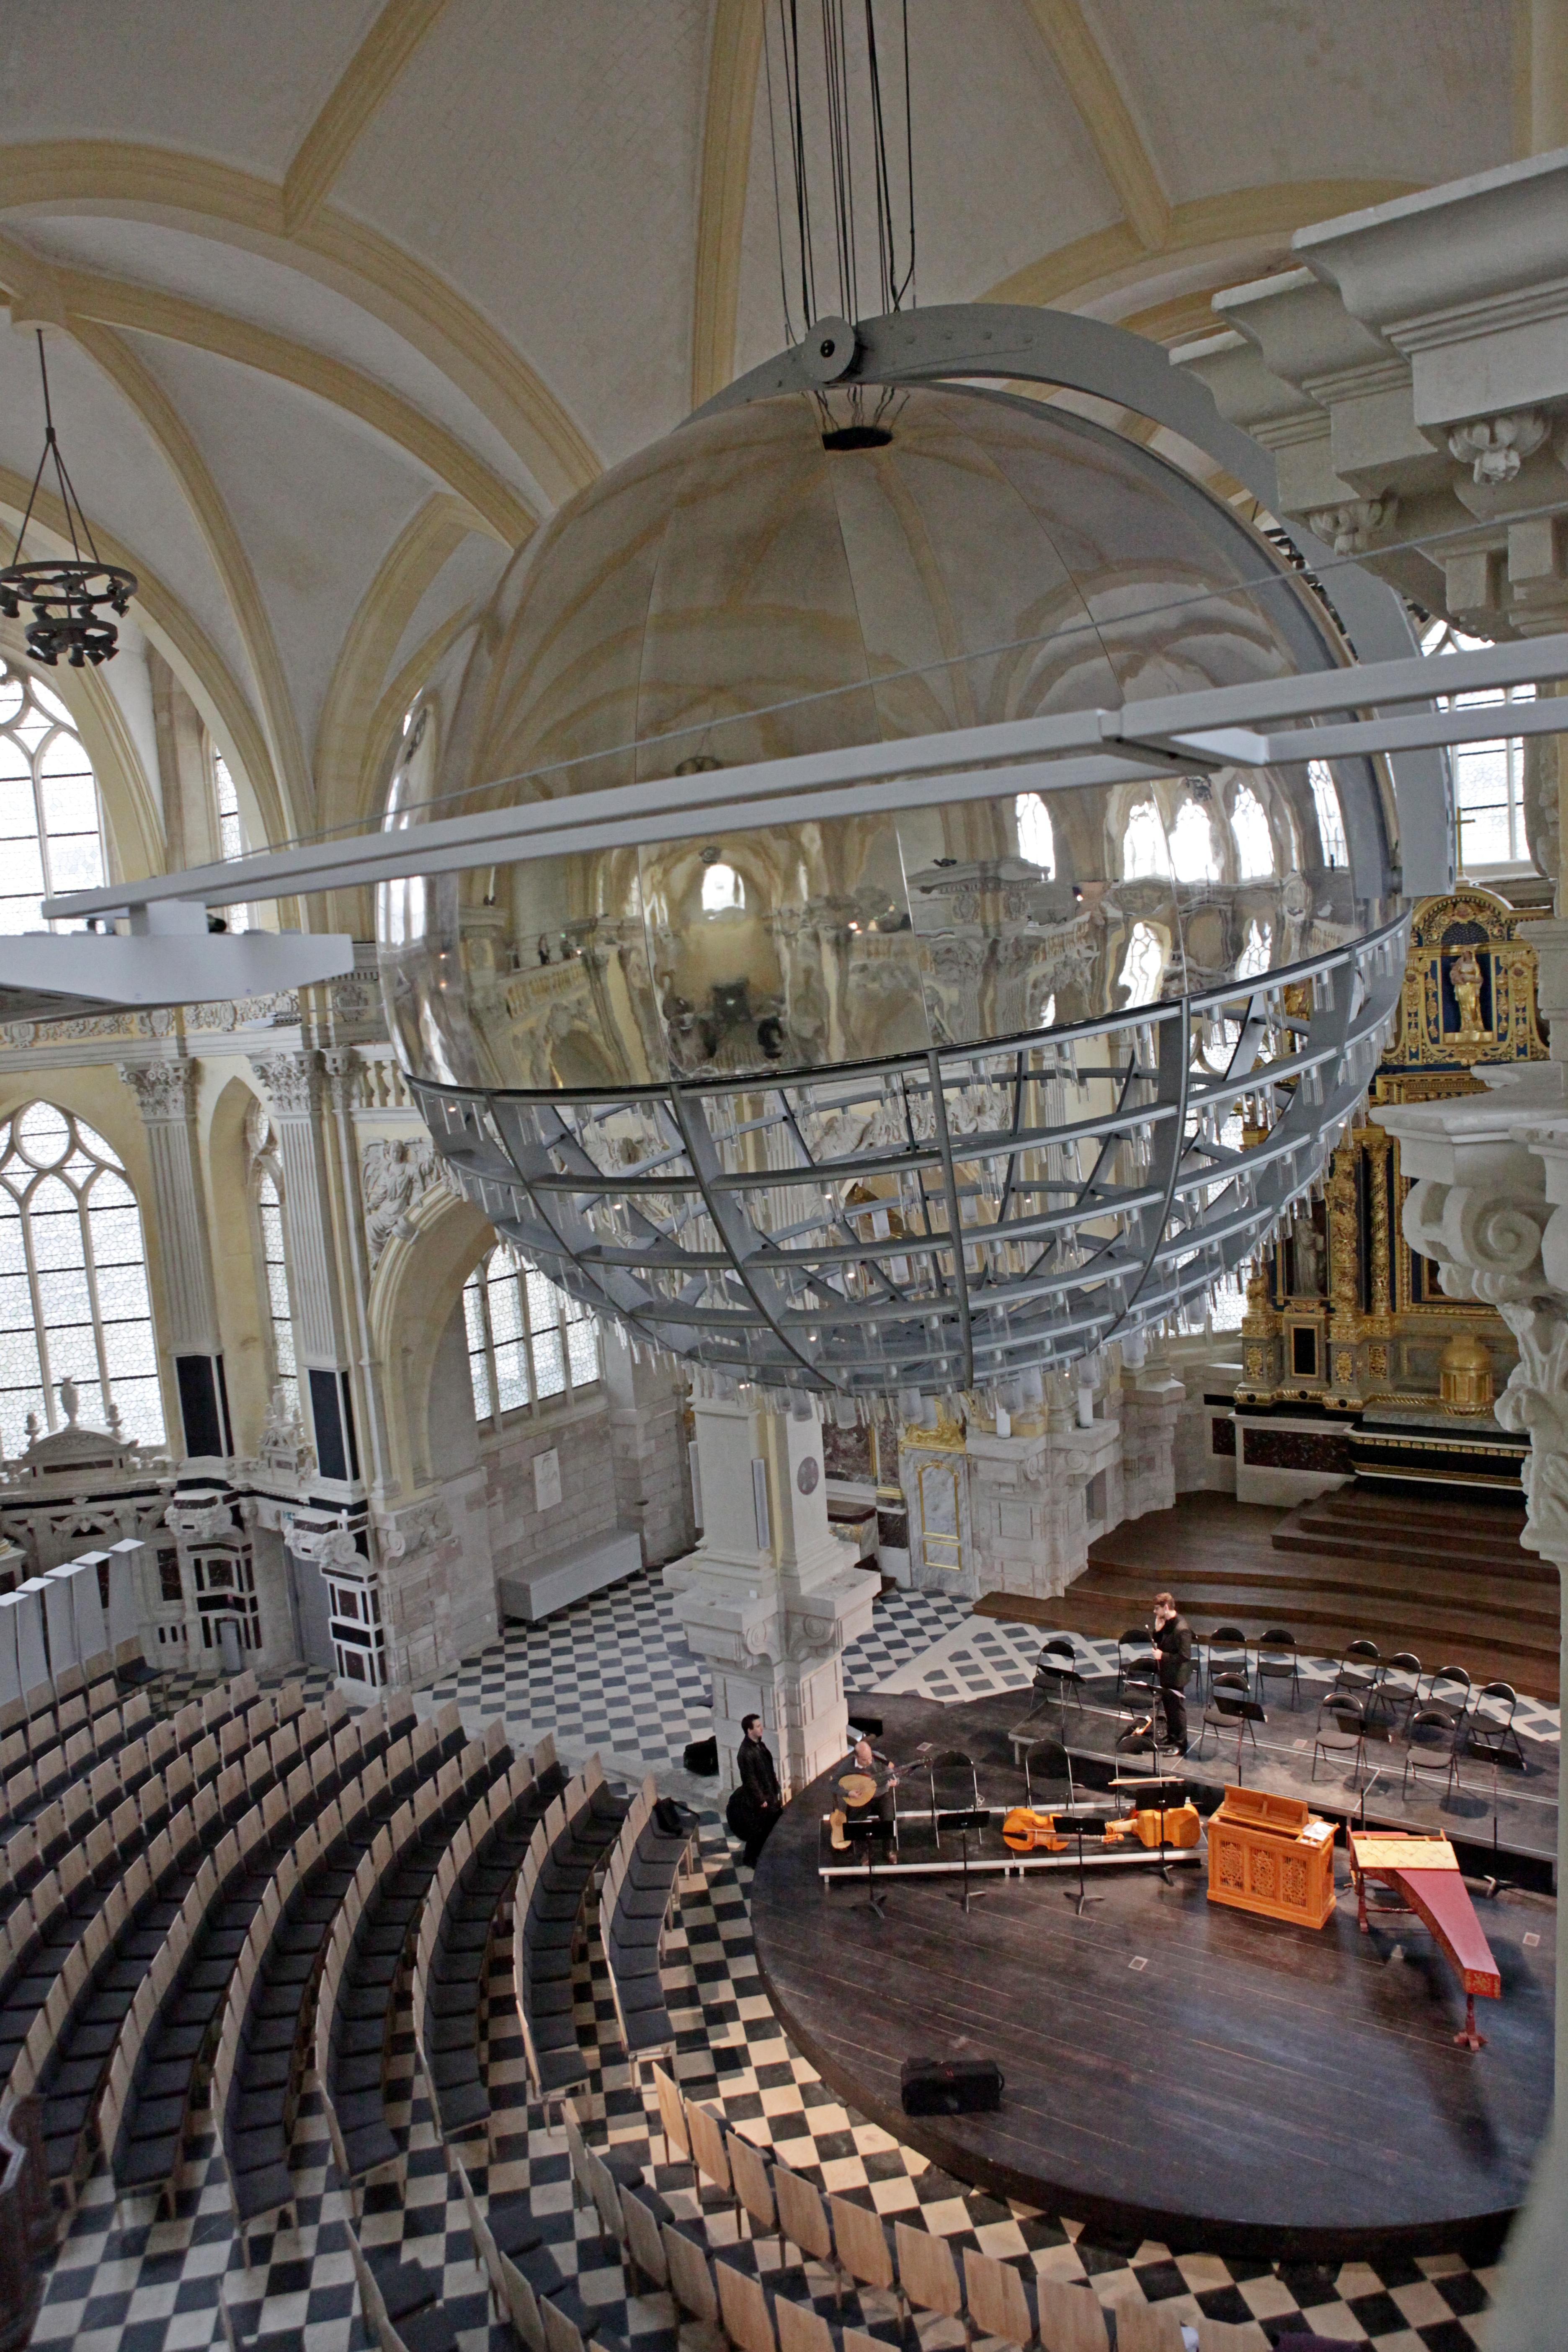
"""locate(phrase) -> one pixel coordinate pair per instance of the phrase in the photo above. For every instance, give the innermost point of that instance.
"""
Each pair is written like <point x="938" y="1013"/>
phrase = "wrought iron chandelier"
<point x="71" y="598"/>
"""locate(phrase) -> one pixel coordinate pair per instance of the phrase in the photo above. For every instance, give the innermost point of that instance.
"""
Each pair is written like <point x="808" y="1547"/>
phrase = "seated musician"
<point x="871" y="1762"/>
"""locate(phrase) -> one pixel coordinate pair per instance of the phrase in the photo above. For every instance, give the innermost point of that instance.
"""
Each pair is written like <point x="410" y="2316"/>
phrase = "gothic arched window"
<point x="528" y="1341"/>
<point x="1143" y="850"/>
<point x="73" y="1283"/>
<point x="1254" y="842"/>
<point x="1037" y="835"/>
<point x="51" y="829"/>
<point x="275" y="1273"/>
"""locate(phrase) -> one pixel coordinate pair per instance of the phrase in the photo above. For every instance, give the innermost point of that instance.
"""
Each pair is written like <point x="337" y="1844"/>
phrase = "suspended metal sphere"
<point x="901" y="1101"/>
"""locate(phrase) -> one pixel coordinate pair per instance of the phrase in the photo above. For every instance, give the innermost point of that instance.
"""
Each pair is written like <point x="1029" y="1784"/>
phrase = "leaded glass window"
<point x="73" y="1283"/>
<point x="51" y="829"/>
<point x="528" y="1341"/>
<point x="275" y="1275"/>
<point x="230" y="831"/>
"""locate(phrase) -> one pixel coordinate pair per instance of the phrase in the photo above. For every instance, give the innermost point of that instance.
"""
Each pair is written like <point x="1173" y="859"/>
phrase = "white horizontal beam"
<point x="171" y="967"/>
<point x="1071" y="749"/>
<point x="1483" y="723"/>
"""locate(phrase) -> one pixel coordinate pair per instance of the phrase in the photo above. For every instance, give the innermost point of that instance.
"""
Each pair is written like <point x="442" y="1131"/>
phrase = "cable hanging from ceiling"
<point x="859" y="94"/>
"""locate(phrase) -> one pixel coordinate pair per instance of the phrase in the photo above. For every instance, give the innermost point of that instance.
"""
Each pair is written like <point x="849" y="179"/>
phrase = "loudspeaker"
<point x="701" y="1759"/>
<point x="951" y="2086"/>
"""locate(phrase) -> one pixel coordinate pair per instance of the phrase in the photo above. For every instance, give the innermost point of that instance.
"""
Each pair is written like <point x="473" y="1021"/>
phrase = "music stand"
<point x="1162" y="1790"/>
<point x="1247" y="1712"/>
<point x="866" y="1831"/>
<point x="1078" y="1819"/>
<point x="977" y="1817"/>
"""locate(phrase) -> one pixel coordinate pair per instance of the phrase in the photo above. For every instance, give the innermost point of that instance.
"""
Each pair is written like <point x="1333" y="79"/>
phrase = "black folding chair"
<point x="1487" y="1731"/>
<point x="1137" y="1663"/>
<point x="1360" y="1670"/>
<point x="1278" y="1662"/>
<point x="1058" y="1666"/>
<point x="951" y="1763"/>
<point x="1399" y="1689"/>
<point x="1442" y="1743"/>
<point x="1349" y="1714"/>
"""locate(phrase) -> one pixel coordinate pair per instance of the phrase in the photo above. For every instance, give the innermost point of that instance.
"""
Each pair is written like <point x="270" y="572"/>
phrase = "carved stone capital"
<point x="166" y="1091"/>
<point x="1485" y="1241"/>
<point x="292" y="1080"/>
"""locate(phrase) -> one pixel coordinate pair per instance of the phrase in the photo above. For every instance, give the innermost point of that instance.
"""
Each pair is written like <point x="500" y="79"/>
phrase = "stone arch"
<point x="417" y="1284"/>
<point x="224" y="1113"/>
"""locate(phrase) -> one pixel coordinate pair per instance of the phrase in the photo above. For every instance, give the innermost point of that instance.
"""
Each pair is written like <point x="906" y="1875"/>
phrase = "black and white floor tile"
<point x="614" y="1674"/>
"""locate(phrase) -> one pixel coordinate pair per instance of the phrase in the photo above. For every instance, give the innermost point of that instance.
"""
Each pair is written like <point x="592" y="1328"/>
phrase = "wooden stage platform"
<point x="1443" y="1575"/>
<point x="1174" y="2070"/>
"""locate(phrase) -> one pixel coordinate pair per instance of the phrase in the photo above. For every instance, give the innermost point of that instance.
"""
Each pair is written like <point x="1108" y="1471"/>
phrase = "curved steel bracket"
<point x="1033" y="345"/>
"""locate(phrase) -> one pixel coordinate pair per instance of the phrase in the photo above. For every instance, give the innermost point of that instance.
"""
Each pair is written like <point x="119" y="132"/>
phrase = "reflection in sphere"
<point x="666" y="1033"/>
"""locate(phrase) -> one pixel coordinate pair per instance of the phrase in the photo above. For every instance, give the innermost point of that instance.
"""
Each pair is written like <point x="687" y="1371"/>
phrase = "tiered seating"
<point x="473" y="1883"/>
<point x="563" y="1853"/>
<point x="261" y="2052"/>
<point x="70" y="2045"/>
<point x="173" y="2023"/>
<point x="48" y="1751"/>
<point x="633" y="1910"/>
<point x="370" y="1934"/>
<point x="60" y="1947"/>
<point x="31" y="1849"/>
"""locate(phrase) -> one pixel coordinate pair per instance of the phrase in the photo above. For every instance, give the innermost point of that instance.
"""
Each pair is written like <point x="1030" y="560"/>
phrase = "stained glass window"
<point x="275" y="1271"/>
<point x="51" y="830"/>
<point x="73" y="1283"/>
<point x="528" y="1341"/>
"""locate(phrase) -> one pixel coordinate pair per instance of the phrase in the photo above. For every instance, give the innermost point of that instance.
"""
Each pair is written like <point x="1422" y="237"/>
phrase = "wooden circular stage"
<point x="1174" y="2070"/>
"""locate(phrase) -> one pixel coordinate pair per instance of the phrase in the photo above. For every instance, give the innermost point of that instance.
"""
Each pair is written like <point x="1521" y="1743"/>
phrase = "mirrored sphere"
<point x="794" y="575"/>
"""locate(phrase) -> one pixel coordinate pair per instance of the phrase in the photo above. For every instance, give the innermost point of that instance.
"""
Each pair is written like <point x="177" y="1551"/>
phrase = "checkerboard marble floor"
<point x="614" y="1674"/>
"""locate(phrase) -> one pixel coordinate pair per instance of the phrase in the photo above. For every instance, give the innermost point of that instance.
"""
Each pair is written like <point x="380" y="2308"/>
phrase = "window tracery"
<point x="74" y="1303"/>
<point x="51" y="826"/>
<point x="528" y="1341"/>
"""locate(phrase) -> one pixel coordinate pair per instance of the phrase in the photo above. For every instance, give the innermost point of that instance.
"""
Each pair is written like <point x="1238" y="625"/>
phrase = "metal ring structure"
<point x="969" y="1216"/>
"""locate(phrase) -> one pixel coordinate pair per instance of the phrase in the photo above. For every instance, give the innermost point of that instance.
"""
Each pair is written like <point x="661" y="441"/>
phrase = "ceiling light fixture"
<point x="71" y="598"/>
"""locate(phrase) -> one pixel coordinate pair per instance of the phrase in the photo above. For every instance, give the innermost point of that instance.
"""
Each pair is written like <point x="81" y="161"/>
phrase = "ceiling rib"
<point x="734" y="54"/>
<point x="173" y="441"/>
<point x="1091" y="84"/>
<point x="123" y="180"/>
<point x="40" y="291"/>
<point x="366" y="79"/>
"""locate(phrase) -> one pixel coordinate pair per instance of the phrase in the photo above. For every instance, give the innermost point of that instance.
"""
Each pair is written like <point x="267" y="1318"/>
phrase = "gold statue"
<point x="1465" y="973"/>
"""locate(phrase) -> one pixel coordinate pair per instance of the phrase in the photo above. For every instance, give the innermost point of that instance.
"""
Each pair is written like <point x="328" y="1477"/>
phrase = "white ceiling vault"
<point x="344" y="295"/>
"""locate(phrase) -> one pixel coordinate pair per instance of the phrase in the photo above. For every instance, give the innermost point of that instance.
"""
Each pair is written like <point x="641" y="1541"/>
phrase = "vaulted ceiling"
<point x="344" y="295"/>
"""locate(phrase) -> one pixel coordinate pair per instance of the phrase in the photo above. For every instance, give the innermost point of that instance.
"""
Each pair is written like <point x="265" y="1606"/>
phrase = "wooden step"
<point x="1331" y="1581"/>
<point x="1443" y="1577"/>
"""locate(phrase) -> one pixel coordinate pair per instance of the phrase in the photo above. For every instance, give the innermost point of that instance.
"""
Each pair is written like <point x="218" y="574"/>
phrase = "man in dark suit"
<point x="756" y="1803"/>
<point x="1174" y="1639"/>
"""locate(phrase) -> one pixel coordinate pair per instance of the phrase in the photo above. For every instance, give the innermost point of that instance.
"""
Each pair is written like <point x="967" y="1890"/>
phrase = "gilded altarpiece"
<point x="1341" y="1316"/>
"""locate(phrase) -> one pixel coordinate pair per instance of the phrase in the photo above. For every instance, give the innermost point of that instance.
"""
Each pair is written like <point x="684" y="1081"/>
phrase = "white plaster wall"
<point x="581" y="1434"/>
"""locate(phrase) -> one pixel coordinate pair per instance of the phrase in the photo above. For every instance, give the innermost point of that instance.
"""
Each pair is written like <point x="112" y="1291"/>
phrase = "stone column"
<point x="166" y="1091"/>
<point x="1490" y="1206"/>
<point x="294" y="1084"/>
<point x="647" y="1434"/>
<point x="767" y="1601"/>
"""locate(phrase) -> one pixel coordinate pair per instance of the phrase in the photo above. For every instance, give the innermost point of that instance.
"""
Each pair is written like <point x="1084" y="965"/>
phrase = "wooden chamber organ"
<point x="1271" y="1855"/>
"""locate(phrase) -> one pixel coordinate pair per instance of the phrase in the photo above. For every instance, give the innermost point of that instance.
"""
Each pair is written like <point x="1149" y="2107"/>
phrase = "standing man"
<point x="1174" y="1639"/>
<point x="756" y="1803"/>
